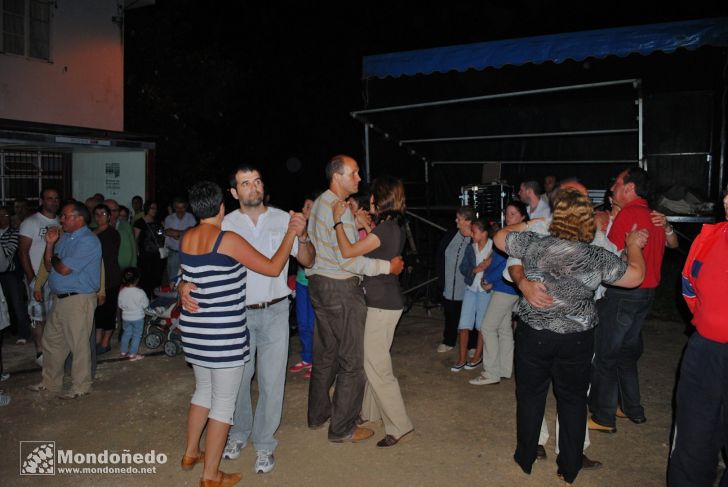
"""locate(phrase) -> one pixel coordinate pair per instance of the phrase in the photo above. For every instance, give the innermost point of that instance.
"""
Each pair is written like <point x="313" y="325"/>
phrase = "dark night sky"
<point x="263" y="83"/>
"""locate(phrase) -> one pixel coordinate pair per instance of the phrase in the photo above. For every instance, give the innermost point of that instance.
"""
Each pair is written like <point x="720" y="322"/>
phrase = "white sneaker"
<point x="482" y="380"/>
<point x="39" y="360"/>
<point x="442" y="348"/>
<point x="232" y="449"/>
<point x="264" y="462"/>
<point x="471" y="353"/>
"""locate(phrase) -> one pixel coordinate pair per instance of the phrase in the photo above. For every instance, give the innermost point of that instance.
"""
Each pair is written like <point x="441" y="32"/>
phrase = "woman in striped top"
<point x="215" y="337"/>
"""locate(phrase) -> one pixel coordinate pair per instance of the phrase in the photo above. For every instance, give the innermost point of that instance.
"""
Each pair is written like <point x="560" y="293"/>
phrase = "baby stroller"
<point x="162" y="323"/>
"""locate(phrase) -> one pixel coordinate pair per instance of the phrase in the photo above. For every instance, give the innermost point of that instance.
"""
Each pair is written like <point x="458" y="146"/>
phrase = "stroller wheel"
<point x="153" y="339"/>
<point x="170" y="349"/>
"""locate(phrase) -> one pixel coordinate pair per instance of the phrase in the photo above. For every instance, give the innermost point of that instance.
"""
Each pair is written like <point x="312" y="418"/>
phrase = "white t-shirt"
<point x="34" y="227"/>
<point x="265" y="237"/>
<point x="542" y="210"/>
<point x="187" y="221"/>
<point x="132" y="302"/>
<point x="480" y="256"/>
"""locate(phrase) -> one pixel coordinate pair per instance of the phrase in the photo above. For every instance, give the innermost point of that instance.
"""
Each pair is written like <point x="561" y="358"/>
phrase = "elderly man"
<point x="338" y="303"/>
<point x="31" y="246"/>
<point x="74" y="263"/>
<point x="266" y="312"/>
<point x="530" y="194"/>
<point x="175" y="226"/>
<point x="622" y="312"/>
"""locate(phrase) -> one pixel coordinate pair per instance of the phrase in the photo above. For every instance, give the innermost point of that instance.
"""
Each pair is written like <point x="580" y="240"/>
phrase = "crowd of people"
<point x="559" y="295"/>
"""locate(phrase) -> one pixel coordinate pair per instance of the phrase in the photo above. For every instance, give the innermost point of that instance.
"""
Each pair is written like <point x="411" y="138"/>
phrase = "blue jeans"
<point x="305" y="320"/>
<point x="269" y="350"/>
<point x="701" y="414"/>
<point x="173" y="269"/>
<point x="473" y="311"/>
<point x="132" y="333"/>
<point x="617" y="348"/>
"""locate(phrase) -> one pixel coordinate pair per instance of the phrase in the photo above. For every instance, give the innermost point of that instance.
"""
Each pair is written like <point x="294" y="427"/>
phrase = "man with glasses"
<point x="175" y="226"/>
<point x="31" y="246"/>
<point x="74" y="264"/>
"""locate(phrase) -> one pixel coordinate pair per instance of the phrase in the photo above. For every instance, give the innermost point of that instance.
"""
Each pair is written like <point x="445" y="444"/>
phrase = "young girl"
<point x="475" y="300"/>
<point x="132" y="302"/>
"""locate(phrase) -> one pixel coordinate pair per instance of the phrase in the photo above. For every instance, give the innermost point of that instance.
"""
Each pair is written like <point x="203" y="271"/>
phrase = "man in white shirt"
<point x="175" y="226"/>
<point x="266" y="313"/>
<point x="30" y="250"/>
<point x="530" y="194"/>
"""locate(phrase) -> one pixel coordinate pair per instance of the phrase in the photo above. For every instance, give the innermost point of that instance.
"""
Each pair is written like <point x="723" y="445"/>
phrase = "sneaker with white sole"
<point x="473" y="365"/>
<point x="232" y="449"/>
<point x="442" y="348"/>
<point x="299" y="367"/>
<point x="482" y="380"/>
<point x="457" y="367"/>
<point x="39" y="360"/>
<point x="264" y="462"/>
<point x="4" y="376"/>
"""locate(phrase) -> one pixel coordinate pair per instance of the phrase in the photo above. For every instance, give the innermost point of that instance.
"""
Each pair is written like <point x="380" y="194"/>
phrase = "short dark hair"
<point x="130" y="276"/>
<point x="102" y="206"/>
<point x="640" y="179"/>
<point x="80" y="210"/>
<point x="243" y="167"/>
<point x="205" y="199"/>
<point x="48" y="188"/>
<point x="520" y="206"/>
<point x="148" y="204"/>
<point x="534" y="185"/>
<point x="466" y="213"/>
<point x="335" y="166"/>
<point x="123" y="208"/>
<point x="483" y="226"/>
<point x="137" y="197"/>
<point x="179" y="199"/>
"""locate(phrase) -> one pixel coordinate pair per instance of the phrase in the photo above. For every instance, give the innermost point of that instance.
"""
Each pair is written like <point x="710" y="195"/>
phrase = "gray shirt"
<point x="454" y="279"/>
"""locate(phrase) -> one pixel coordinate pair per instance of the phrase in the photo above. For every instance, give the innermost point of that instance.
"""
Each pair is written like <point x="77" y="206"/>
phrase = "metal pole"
<point x="432" y="224"/>
<point x="520" y="136"/>
<point x="612" y="161"/>
<point x="2" y="176"/>
<point x="366" y="152"/>
<point x="640" y="123"/>
<point x="495" y="96"/>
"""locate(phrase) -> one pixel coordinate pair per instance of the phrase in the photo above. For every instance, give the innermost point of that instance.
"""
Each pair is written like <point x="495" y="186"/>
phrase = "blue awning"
<point x="557" y="48"/>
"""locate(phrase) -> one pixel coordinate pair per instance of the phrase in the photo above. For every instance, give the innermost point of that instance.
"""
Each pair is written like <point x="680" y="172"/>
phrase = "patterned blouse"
<point x="571" y="272"/>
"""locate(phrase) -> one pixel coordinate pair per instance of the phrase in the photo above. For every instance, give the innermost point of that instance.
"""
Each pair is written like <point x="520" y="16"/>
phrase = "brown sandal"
<point x="188" y="463"/>
<point x="224" y="480"/>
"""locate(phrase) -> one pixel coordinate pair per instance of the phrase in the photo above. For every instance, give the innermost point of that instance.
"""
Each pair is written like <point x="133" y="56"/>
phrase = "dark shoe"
<point x="473" y="365"/>
<point x="224" y="480"/>
<point x="620" y="414"/>
<point x="359" y="434"/>
<point x="188" y="463"/>
<point x="540" y="452"/>
<point x="589" y="464"/>
<point x="390" y="440"/>
<point x="594" y="426"/>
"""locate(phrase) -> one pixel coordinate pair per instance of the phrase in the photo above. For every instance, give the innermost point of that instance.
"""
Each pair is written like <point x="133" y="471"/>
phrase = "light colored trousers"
<point x="217" y="390"/>
<point x="67" y="330"/>
<point x="382" y="396"/>
<point x="498" y="336"/>
<point x="269" y="351"/>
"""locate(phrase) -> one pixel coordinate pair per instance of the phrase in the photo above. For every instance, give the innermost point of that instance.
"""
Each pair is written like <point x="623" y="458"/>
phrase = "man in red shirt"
<point x="701" y="411"/>
<point x="618" y="338"/>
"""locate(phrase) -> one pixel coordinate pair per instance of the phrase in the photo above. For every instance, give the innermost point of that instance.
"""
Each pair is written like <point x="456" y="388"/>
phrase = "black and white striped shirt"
<point x="9" y="246"/>
<point x="216" y="336"/>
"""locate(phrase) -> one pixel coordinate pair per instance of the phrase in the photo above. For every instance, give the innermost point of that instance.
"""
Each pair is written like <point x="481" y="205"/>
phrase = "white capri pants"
<point x="217" y="390"/>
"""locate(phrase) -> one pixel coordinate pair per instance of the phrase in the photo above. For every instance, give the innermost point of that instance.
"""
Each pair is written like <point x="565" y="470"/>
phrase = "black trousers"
<point x="543" y="356"/>
<point x="338" y="353"/>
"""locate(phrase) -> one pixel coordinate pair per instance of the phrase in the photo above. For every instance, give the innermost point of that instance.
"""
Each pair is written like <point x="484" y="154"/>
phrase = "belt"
<point x="65" y="295"/>
<point x="265" y="305"/>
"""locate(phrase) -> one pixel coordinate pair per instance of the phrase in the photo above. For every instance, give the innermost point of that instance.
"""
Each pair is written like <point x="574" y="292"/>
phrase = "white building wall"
<point x="83" y="84"/>
<point x="116" y="175"/>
